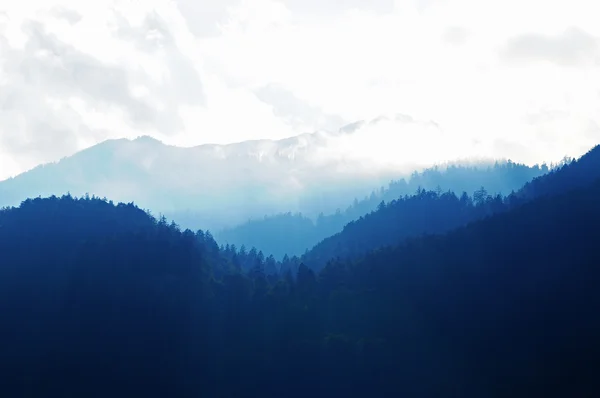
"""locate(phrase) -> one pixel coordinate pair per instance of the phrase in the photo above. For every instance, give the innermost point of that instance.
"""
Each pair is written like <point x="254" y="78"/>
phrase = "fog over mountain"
<point x="74" y="74"/>
<point x="216" y="186"/>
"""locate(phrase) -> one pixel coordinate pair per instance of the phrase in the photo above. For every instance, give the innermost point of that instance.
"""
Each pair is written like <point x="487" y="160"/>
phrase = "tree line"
<point x="100" y="299"/>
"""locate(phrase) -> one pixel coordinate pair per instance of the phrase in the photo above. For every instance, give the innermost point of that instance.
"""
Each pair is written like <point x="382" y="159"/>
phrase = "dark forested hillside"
<point x="512" y="301"/>
<point x="104" y="300"/>
<point x="293" y="234"/>
<point x="100" y="299"/>
<point x="431" y="211"/>
<point x="574" y="174"/>
<point x="426" y="212"/>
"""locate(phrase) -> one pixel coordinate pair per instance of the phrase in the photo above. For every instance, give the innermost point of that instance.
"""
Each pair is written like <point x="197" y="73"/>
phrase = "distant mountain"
<point x="214" y="186"/>
<point x="294" y="233"/>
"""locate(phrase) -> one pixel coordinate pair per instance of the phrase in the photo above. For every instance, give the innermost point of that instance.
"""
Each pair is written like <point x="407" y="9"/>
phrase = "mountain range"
<point x="431" y="294"/>
<point x="221" y="186"/>
<point x="436" y="212"/>
<point x="294" y="233"/>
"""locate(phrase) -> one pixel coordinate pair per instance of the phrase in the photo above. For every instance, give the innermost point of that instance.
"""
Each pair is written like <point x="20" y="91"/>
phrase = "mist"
<point x="430" y="83"/>
<point x="220" y="186"/>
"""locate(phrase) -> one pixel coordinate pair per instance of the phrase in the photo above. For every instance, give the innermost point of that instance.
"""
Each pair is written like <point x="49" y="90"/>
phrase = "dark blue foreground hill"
<point x="434" y="211"/>
<point x="101" y="300"/>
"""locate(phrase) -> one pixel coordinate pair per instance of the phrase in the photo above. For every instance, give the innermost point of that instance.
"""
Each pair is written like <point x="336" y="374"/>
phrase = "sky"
<point x="510" y="79"/>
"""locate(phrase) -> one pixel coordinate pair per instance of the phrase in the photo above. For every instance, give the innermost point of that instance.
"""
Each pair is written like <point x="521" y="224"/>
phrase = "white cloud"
<point x="74" y="73"/>
<point x="570" y="48"/>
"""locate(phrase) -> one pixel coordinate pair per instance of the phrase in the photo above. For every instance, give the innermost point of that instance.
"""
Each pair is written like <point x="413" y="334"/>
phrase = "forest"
<point x="302" y="231"/>
<point x="432" y="293"/>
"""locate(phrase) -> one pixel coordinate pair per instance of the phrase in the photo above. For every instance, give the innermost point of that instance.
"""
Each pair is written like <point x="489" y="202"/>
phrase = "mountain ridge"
<point x="505" y="306"/>
<point x="292" y="234"/>
<point x="252" y="178"/>
<point x="409" y="217"/>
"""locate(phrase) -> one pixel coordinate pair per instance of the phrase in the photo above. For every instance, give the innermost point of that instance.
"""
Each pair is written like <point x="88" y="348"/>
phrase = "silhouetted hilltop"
<point x="575" y="174"/>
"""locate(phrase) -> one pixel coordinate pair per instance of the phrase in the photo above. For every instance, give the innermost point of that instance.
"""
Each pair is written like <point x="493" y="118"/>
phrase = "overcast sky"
<point x="518" y="78"/>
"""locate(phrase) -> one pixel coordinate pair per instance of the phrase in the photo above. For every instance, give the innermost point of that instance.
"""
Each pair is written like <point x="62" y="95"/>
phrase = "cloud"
<point x="335" y="8"/>
<point x="47" y="73"/>
<point x="204" y="17"/>
<point x="69" y="15"/>
<point x="572" y="47"/>
<point x="295" y="111"/>
<point x="456" y="35"/>
<point x="74" y="73"/>
<point x="393" y="142"/>
<point x="60" y="91"/>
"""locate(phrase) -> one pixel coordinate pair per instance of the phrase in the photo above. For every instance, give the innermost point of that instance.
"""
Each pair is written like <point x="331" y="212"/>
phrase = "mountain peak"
<point x="146" y="139"/>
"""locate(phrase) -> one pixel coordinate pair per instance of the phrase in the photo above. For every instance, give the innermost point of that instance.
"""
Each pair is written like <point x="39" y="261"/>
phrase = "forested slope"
<point x="575" y="174"/>
<point x="430" y="212"/>
<point x="512" y="299"/>
<point x="294" y="233"/>
<point x="100" y="300"/>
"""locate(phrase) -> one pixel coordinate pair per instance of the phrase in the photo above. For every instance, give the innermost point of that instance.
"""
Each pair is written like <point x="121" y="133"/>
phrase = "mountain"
<point x="309" y="173"/>
<point x="437" y="212"/>
<point x="574" y="174"/>
<point x="98" y="297"/>
<point x="427" y="212"/>
<point x="294" y="233"/>
<point x="220" y="186"/>
<point x="83" y="285"/>
<point x="506" y="306"/>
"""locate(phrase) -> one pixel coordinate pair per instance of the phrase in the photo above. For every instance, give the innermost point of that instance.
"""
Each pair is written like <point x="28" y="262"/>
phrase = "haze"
<point x="511" y="79"/>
